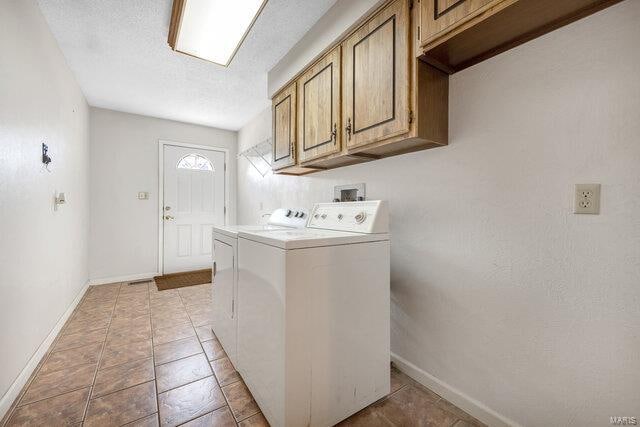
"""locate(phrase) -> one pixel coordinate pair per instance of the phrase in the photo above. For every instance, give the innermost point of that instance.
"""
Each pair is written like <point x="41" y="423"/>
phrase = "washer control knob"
<point x="340" y="216"/>
<point x="360" y="217"/>
<point x="323" y="216"/>
<point x="288" y="214"/>
<point x="316" y="216"/>
<point x="301" y="215"/>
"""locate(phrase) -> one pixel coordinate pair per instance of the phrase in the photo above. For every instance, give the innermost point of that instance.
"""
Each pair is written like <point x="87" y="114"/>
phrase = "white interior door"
<point x="194" y="197"/>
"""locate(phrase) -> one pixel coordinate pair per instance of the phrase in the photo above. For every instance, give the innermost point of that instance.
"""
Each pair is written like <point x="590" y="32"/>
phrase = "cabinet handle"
<point x="348" y="128"/>
<point x="334" y="134"/>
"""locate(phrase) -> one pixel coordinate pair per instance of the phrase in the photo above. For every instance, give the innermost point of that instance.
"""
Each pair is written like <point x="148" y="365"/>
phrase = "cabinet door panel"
<point x="284" y="133"/>
<point x="319" y="108"/>
<point x="376" y="77"/>
<point x="440" y="16"/>
<point x="224" y="296"/>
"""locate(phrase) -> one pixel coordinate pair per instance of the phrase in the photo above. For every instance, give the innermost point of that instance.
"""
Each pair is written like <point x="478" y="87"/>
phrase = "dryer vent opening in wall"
<point x="349" y="193"/>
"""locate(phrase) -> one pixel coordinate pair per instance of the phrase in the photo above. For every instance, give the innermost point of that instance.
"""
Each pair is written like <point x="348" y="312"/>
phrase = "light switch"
<point x="587" y="199"/>
<point x="143" y="195"/>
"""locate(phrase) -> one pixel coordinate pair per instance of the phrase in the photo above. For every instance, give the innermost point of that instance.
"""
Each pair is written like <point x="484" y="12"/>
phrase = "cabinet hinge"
<point x="225" y="210"/>
<point x="410" y="116"/>
<point x="225" y="167"/>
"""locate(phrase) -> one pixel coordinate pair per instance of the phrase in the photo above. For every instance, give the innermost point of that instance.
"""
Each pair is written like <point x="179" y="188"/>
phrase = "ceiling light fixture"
<point x="212" y="30"/>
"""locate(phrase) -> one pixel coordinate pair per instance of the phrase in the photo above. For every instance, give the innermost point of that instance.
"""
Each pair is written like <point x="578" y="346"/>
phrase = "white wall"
<point x="43" y="254"/>
<point x="498" y="289"/>
<point x="124" y="161"/>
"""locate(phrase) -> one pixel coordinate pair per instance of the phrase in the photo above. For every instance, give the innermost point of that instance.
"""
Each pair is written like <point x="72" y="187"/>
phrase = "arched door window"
<point x="195" y="162"/>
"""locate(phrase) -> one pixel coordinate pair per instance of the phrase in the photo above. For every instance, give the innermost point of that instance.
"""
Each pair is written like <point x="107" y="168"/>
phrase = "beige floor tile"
<point x="399" y="379"/>
<point x="257" y="420"/>
<point x="150" y="421"/>
<point x="59" y="382"/>
<point x="121" y="336"/>
<point x="130" y="313"/>
<point x="411" y="406"/>
<point x="80" y="339"/>
<point x="205" y="332"/>
<point x="123" y="376"/>
<point x="117" y="355"/>
<point x="467" y="420"/>
<point x="463" y="423"/>
<point x="201" y="319"/>
<point x="219" y="418"/>
<point x="213" y="349"/>
<point x="189" y="402"/>
<point x="123" y="406"/>
<point x="368" y="417"/>
<point x="64" y="410"/>
<point x="86" y="324"/>
<point x="180" y="372"/>
<point x="240" y="400"/>
<point x="173" y="333"/>
<point x="175" y="350"/>
<point x="169" y="320"/>
<point x="134" y="289"/>
<point x="72" y="357"/>
<point x="224" y="371"/>
<point x="142" y="321"/>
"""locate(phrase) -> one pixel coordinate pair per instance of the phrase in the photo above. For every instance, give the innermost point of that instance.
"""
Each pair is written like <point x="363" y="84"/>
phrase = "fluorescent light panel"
<point x="214" y="29"/>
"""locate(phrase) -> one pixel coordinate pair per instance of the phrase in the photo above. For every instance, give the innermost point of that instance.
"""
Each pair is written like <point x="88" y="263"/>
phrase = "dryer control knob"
<point x="360" y="217"/>
<point x="288" y="214"/>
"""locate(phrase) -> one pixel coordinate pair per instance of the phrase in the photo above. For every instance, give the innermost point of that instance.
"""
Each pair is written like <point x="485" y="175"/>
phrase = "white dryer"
<point x="225" y="274"/>
<point x="313" y="332"/>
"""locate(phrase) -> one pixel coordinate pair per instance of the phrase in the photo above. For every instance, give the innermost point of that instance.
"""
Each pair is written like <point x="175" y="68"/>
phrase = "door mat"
<point x="180" y="280"/>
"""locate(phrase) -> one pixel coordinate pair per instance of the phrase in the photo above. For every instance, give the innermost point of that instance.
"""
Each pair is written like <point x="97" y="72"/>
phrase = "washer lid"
<point x="309" y="237"/>
<point x="232" y="230"/>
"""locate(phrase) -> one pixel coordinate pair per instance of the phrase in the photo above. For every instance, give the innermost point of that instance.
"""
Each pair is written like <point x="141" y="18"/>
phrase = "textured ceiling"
<point x="118" y="51"/>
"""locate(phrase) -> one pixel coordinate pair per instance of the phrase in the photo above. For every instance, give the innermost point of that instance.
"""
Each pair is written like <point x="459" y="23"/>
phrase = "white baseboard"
<point x="453" y="395"/>
<point x="14" y="390"/>
<point x="129" y="278"/>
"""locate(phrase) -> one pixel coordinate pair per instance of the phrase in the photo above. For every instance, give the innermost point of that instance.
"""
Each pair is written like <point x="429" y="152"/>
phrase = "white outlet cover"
<point x="587" y="200"/>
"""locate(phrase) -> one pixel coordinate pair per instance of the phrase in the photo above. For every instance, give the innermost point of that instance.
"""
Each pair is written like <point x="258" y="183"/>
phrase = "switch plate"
<point x="587" y="199"/>
<point x="143" y="195"/>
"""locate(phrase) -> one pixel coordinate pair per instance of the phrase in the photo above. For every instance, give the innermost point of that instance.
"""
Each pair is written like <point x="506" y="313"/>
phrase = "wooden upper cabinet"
<point x="440" y="16"/>
<point x="455" y="34"/>
<point x="319" y="108"/>
<point x="284" y="128"/>
<point x="376" y="81"/>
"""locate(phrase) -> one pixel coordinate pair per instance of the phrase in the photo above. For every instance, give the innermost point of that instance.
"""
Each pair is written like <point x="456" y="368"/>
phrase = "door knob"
<point x="169" y="218"/>
<point x="167" y="208"/>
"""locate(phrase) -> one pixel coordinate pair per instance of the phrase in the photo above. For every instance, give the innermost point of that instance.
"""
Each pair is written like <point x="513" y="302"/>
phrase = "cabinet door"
<point x="441" y="16"/>
<point x="224" y="295"/>
<point x="319" y="108"/>
<point x="376" y="77"/>
<point x="284" y="128"/>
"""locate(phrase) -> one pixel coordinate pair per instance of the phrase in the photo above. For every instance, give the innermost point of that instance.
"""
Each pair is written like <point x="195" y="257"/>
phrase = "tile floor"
<point x="133" y="355"/>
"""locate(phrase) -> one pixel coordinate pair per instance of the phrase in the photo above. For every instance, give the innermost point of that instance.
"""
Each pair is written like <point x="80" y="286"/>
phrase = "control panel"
<point x="289" y="217"/>
<point x="370" y="216"/>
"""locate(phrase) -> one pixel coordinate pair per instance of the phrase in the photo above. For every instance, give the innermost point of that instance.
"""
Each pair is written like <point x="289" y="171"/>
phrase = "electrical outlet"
<point x="587" y="199"/>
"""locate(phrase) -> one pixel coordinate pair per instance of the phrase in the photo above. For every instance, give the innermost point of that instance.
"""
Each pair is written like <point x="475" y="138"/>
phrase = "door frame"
<point x="161" y="144"/>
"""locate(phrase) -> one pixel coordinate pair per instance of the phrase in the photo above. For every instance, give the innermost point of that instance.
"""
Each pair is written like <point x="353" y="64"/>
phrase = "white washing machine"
<point x="313" y="332"/>
<point x="225" y="274"/>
